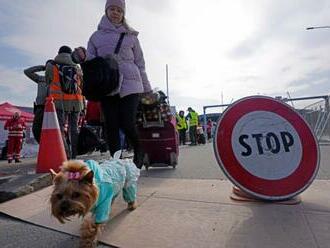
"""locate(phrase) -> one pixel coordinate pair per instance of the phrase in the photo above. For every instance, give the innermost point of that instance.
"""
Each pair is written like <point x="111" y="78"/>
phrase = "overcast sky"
<point x="217" y="50"/>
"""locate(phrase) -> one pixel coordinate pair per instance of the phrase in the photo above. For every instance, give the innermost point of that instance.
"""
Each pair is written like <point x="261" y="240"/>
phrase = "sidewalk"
<point x="18" y="179"/>
<point x="190" y="212"/>
<point x="197" y="213"/>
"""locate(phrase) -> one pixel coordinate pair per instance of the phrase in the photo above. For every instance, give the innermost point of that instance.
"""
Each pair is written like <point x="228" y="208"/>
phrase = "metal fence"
<point x="314" y="109"/>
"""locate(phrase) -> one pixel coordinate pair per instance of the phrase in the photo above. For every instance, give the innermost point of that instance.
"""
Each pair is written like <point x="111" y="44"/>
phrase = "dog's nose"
<point x="65" y="205"/>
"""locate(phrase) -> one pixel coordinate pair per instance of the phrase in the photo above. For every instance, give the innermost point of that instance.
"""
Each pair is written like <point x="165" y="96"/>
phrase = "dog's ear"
<point x="53" y="173"/>
<point x="88" y="178"/>
<point x="57" y="178"/>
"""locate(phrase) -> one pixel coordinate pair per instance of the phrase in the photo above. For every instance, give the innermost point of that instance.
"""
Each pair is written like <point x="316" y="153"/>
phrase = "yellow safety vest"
<point x="182" y="124"/>
<point x="193" y="119"/>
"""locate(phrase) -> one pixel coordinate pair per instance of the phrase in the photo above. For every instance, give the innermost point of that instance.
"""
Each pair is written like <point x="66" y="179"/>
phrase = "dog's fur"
<point x="77" y="197"/>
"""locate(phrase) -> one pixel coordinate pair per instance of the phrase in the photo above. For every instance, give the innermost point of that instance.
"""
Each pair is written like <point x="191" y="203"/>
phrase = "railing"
<point x="314" y="109"/>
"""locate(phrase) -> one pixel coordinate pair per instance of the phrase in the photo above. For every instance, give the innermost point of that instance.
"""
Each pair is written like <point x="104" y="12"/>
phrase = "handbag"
<point x="101" y="76"/>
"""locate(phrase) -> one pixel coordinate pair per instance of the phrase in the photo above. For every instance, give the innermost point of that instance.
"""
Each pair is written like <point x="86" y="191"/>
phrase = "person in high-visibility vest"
<point x="68" y="105"/>
<point x="193" y="122"/>
<point x="15" y="127"/>
<point x="181" y="126"/>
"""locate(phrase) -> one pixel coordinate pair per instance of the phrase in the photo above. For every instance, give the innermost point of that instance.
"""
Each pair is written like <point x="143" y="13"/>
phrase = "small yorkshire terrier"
<point x="83" y="186"/>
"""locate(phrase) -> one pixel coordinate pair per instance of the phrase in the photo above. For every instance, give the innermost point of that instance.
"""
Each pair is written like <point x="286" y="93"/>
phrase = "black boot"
<point x="138" y="159"/>
<point x="9" y="161"/>
<point x="17" y="160"/>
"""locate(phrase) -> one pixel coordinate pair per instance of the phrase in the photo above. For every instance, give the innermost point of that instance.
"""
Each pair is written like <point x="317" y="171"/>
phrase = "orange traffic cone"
<point x="51" y="153"/>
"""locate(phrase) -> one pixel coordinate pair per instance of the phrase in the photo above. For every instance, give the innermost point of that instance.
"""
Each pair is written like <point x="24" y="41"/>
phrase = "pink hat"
<point x="119" y="3"/>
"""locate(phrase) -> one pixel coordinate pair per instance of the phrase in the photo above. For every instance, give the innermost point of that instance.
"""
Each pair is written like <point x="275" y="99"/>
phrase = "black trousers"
<point x="120" y="113"/>
<point x="182" y="136"/>
<point x="193" y="134"/>
<point x="38" y="111"/>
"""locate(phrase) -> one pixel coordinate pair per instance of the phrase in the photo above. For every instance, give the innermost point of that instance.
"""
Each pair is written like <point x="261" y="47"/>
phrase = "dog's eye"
<point x="59" y="196"/>
<point x="75" y="194"/>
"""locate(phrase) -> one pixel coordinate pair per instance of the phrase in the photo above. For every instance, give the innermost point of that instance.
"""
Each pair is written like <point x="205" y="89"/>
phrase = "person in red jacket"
<point x="93" y="113"/>
<point x="15" y="126"/>
<point x="209" y="126"/>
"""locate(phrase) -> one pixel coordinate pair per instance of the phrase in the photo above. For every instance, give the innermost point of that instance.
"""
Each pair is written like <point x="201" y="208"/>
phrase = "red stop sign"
<point x="266" y="148"/>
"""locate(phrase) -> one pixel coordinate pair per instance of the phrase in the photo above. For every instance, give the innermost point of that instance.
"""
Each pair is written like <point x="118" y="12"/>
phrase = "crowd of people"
<point x="119" y="109"/>
<point x="191" y="124"/>
<point x="62" y="79"/>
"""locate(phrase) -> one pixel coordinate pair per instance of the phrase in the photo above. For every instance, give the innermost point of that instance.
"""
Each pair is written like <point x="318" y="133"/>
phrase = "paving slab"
<point x="315" y="198"/>
<point x="196" y="213"/>
<point x="35" y="208"/>
<point x="175" y="223"/>
<point x="319" y="224"/>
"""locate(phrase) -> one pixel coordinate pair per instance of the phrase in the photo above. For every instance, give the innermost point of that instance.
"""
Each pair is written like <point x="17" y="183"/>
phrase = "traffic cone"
<point x="51" y="153"/>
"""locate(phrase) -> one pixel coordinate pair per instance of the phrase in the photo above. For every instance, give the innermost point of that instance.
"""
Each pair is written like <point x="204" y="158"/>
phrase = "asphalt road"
<point x="18" y="234"/>
<point x="197" y="162"/>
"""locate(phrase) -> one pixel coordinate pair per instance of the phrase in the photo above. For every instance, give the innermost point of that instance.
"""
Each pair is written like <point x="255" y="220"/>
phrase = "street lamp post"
<point x="310" y="28"/>
<point x="167" y="92"/>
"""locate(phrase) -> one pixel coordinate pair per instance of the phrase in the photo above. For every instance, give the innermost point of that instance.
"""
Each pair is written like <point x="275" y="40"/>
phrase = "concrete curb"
<point x="19" y="185"/>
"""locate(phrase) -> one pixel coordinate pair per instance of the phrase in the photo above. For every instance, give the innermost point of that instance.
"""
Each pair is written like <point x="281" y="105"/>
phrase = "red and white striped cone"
<point x="51" y="153"/>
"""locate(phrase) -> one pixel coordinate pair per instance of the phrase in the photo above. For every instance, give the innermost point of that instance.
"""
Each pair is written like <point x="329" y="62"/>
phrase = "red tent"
<point x="7" y="110"/>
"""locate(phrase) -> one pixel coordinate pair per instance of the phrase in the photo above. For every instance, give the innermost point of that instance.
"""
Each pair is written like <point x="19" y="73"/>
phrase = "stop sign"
<point x="266" y="148"/>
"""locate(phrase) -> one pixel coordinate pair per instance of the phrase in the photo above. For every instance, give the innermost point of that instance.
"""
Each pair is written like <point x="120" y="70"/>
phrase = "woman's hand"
<point x="79" y="55"/>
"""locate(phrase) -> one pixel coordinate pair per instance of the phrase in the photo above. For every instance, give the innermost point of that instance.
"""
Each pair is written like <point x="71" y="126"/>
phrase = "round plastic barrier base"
<point x="240" y="196"/>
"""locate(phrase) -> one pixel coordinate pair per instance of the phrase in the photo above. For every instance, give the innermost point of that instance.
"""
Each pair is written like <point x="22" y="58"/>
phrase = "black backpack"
<point x="68" y="75"/>
<point x="68" y="78"/>
<point x="101" y="75"/>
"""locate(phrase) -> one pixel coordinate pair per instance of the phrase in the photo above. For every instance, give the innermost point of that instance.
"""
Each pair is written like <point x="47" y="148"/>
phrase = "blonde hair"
<point x="128" y="27"/>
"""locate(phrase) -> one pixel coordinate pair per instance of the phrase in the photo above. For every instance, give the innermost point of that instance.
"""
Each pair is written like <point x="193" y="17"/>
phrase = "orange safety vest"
<point x="56" y="92"/>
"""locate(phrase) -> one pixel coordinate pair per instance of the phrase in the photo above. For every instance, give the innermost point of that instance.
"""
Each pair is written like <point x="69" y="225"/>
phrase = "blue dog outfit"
<point x="112" y="176"/>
